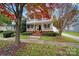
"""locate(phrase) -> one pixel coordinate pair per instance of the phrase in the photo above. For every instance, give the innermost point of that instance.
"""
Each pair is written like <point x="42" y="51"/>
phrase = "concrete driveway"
<point x="71" y="36"/>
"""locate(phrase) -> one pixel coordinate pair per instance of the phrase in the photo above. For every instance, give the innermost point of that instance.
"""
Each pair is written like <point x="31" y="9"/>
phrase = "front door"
<point x="38" y="28"/>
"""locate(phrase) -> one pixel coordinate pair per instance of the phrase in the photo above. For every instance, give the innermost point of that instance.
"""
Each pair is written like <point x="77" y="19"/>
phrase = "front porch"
<point x="38" y="27"/>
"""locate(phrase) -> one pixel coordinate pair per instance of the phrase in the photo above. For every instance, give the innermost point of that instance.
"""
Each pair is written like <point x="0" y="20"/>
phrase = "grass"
<point x="5" y="43"/>
<point x="36" y="50"/>
<point x="21" y="36"/>
<point x="24" y="36"/>
<point x="67" y="39"/>
<point x="67" y="51"/>
<point x="63" y="39"/>
<point x="47" y="50"/>
<point x="73" y="33"/>
<point x="49" y="38"/>
<point x="1" y="34"/>
<point x="32" y="49"/>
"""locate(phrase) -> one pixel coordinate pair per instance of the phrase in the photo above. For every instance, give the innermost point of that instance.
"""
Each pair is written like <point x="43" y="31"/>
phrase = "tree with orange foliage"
<point x="17" y="10"/>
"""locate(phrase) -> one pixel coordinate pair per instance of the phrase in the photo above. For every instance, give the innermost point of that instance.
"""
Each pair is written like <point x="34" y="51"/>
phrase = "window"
<point x="31" y="26"/>
<point x="46" y="25"/>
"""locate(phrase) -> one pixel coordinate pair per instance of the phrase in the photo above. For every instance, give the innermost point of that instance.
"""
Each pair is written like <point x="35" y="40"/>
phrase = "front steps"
<point x="37" y="33"/>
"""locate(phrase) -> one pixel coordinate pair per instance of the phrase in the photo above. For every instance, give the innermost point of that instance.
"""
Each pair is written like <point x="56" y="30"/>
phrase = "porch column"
<point x="34" y="29"/>
<point x="42" y="27"/>
<point x="51" y="26"/>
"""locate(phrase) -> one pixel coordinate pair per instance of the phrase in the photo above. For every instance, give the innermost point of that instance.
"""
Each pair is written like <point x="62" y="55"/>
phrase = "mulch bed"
<point x="11" y="50"/>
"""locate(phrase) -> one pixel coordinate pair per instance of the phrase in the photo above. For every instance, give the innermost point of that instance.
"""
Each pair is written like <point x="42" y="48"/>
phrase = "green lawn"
<point x="5" y="43"/>
<point x="43" y="49"/>
<point x="36" y="50"/>
<point x="24" y="36"/>
<point x="73" y="33"/>
<point x="63" y="39"/>
<point x="32" y="49"/>
<point x="48" y="38"/>
<point x="1" y="34"/>
<point x="46" y="50"/>
<point x="21" y="36"/>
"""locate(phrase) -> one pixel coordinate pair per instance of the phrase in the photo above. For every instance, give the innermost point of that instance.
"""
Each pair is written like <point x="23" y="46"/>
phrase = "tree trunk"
<point x="17" y="39"/>
<point x="60" y="32"/>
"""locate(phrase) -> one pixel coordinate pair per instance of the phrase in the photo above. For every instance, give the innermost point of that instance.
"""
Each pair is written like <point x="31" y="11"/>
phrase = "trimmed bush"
<point x="26" y="33"/>
<point x="50" y="34"/>
<point x="7" y="34"/>
<point x="1" y="31"/>
<point x="23" y="26"/>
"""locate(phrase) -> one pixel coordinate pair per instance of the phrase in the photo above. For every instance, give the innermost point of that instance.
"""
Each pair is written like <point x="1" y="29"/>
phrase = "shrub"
<point x="23" y="26"/>
<point x="1" y="31"/>
<point x="27" y="33"/>
<point x="51" y="34"/>
<point x="7" y="34"/>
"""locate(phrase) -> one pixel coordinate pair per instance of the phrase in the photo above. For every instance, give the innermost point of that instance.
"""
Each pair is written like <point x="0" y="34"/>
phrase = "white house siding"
<point x="42" y="23"/>
<point x="4" y="28"/>
<point x="34" y="22"/>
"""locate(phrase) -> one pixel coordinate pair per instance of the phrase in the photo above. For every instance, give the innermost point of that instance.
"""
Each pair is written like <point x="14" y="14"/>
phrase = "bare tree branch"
<point x="7" y="7"/>
<point x="13" y="8"/>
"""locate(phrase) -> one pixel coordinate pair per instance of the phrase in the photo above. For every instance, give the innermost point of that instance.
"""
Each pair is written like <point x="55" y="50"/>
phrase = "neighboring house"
<point x="74" y="26"/>
<point x="6" y="27"/>
<point x="10" y="27"/>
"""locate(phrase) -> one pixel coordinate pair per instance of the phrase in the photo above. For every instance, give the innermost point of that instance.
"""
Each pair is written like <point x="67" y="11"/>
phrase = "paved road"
<point x="71" y="36"/>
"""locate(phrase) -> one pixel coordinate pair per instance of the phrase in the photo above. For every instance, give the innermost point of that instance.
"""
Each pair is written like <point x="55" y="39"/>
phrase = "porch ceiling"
<point x="39" y="22"/>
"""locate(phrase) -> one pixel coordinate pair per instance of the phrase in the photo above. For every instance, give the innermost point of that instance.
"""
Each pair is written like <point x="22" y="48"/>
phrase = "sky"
<point x="57" y="12"/>
<point x="25" y="12"/>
